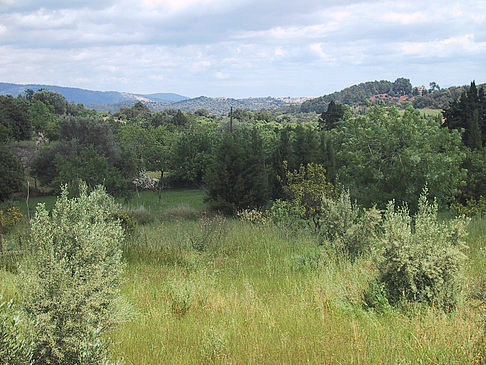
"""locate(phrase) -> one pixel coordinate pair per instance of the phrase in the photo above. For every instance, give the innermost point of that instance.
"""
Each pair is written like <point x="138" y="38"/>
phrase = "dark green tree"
<point x="11" y="174"/>
<point x="55" y="101"/>
<point x="468" y="113"/>
<point x="237" y="178"/>
<point x="15" y="122"/>
<point x="402" y="86"/>
<point x="333" y="114"/>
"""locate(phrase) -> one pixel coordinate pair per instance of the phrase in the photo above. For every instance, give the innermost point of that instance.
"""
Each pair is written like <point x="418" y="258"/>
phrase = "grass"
<point x="170" y="199"/>
<point x="249" y="298"/>
<point x="219" y="290"/>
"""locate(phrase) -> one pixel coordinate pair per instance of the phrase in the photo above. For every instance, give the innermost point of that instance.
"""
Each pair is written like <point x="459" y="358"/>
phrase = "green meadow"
<point x="201" y="288"/>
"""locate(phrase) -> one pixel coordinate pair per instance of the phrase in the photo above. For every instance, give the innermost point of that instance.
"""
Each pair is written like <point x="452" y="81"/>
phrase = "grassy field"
<point x="170" y="199"/>
<point x="219" y="290"/>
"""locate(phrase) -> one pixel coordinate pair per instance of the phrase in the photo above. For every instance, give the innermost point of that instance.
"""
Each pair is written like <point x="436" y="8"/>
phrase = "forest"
<point x="346" y="230"/>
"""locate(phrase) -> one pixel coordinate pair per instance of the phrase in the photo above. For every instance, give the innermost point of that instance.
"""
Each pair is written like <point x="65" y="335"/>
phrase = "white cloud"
<point x="405" y="18"/>
<point x="453" y="46"/>
<point x="251" y="47"/>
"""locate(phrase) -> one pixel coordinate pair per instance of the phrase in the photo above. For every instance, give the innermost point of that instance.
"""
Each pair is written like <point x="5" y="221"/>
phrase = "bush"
<point x="15" y="346"/>
<point x="351" y="231"/>
<point x="70" y="281"/>
<point x="308" y="188"/>
<point x="422" y="262"/>
<point x="472" y="207"/>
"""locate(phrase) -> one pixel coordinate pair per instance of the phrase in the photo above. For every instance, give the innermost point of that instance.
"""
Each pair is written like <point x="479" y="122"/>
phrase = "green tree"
<point x="237" y="177"/>
<point x="15" y="122"/>
<point x="384" y="155"/>
<point x="86" y="150"/>
<point x="11" y="174"/>
<point x="333" y="114"/>
<point x="468" y="113"/>
<point x="55" y="101"/>
<point x="402" y="86"/>
<point x="189" y="156"/>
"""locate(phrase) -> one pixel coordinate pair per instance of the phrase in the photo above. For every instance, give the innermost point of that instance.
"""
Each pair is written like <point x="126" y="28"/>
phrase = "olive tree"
<point x="69" y="284"/>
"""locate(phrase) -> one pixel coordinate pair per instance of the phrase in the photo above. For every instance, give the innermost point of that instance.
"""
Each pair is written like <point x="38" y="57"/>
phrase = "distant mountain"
<point x="167" y="97"/>
<point x="91" y="97"/>
<point x="222" y="105"/>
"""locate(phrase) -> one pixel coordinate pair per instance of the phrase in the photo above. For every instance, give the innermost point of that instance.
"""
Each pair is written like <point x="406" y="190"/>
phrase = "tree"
<point x="329" y="118"/>
<point x="179" y="119"/>
<point x="11" y="174"/>
<point x="70" y="281"/>
<point x="237" y="178"/>
<point x="468" y="113"/>
<point x="189" y="156"/>
<point x="55" y="101"/>
<point x="402" y="86"/>
<point x="15" y="122"/>
<point x="383" y="156"/>
<point x="86" y="150"/>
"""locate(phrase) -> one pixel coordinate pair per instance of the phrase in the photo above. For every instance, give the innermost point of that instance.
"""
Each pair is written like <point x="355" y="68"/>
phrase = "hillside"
<point x="392" y="93"/>
<point x="91" y="97"/>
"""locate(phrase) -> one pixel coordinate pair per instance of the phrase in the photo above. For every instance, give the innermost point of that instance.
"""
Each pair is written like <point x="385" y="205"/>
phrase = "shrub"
<point x="422" y="262"/>
<point x="181" y="296"/>
<point x="351" y="231"/>
<point x="308" y="188"/>
<point x="253" y="216"/>
<point x="70" y="281"/>
<point x="287" y="214"/>
<point x="15" y="346"/>
<point x="8" y="220"/>
<point x="472" y="207"/>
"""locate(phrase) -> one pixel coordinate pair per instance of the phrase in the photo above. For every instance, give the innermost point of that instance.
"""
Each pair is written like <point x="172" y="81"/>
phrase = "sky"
<point x="240" y="48"/>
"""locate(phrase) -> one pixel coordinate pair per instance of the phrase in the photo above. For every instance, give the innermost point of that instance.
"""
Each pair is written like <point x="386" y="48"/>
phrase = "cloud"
<point x="239" y="47"/>
<point x="405" y="18"/>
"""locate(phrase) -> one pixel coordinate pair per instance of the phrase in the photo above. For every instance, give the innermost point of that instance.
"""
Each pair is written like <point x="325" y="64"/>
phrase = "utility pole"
<point x="231" y="121"/>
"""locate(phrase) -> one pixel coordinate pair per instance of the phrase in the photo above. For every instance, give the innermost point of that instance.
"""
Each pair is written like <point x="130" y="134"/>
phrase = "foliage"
<point x="86" y="150"/>
<point x="331" y="116"/>
<point x="471" y="208"/>
<point x="15" y="122"/>
<point x="9" y="219"/>
<point x="350" y="231"/>
<point x="236" y="177"/>
<point x="308" y="187"/>
<point x="468" y="113"/>
<point x="11" y="174"/>
<point x="386" y="155"/>
<point x="475" y="165"/>
<point x="70" y="281"/>
<point x="15" y="346"/>
<point x="253" y="216"/>
<point x="422" y="258"/>
<point x="356" y="94"/>
<point x="190" y="155"/>
<point x="55" y="101"/>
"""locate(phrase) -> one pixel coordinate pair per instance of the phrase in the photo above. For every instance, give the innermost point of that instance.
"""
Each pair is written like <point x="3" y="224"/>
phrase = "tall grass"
<point x="257" y="295"/>
<point x="218" y="290"/>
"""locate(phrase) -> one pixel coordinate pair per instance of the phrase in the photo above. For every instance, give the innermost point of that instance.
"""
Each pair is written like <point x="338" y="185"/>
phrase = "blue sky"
<point x="240" y="48"/>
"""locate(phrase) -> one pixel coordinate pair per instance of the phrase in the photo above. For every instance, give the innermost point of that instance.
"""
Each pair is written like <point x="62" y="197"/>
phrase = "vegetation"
<point x="302" y="267"/>
<point x="69" y="281"/>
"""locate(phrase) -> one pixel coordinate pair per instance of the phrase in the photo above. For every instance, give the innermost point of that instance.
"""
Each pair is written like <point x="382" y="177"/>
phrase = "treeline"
<point x="388" y="92"/>
<point x="381" y="155"/>
<point x="358" y="94"/>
